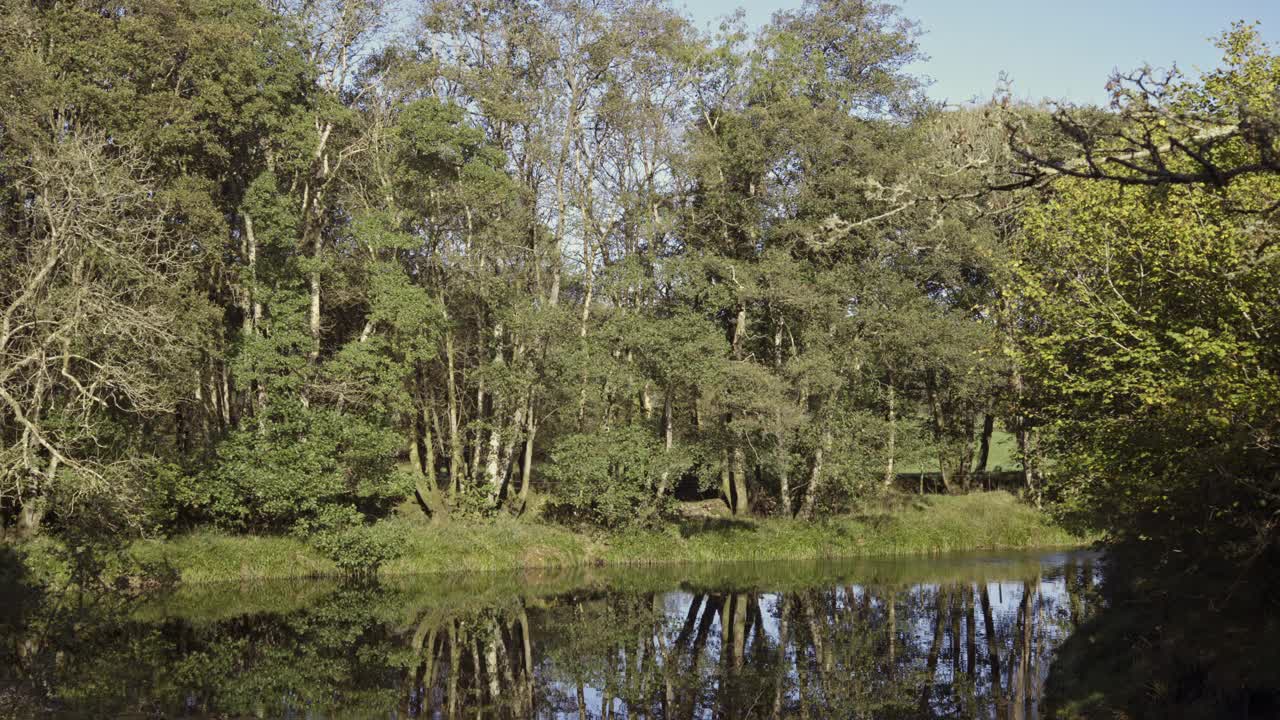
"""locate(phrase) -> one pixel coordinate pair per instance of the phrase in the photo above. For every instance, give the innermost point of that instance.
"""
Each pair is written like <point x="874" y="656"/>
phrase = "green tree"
<point x="1149" y="332"/>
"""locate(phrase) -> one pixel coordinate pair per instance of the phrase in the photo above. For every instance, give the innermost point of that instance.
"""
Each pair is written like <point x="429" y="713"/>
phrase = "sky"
<point x="1050" y="48"/>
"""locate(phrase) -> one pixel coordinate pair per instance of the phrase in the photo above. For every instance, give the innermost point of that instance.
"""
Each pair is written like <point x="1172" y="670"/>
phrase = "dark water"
<point x="959" y="636"/>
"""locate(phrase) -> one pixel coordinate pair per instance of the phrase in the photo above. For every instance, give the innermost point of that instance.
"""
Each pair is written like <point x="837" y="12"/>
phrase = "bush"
<point x="360" y="549"/>
<point x="357" y="548"/>
<point x="299" y="467"/>
<point x="610" y="478"/>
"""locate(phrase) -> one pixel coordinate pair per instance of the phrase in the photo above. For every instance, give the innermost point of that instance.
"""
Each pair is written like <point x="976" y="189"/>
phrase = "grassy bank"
<point x="928" y="525"/>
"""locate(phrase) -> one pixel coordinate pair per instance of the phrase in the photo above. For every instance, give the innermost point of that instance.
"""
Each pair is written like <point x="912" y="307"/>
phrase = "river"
<point x="969" y="635"/>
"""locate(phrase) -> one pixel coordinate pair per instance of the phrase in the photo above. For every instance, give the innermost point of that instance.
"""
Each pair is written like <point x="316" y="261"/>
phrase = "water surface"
<point x="954" y="636"/>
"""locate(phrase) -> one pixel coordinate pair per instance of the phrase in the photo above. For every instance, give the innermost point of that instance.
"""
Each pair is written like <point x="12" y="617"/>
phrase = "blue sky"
<point x="1051" y="49"/>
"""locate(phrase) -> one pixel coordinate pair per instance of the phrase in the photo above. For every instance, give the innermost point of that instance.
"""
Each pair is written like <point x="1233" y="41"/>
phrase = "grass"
<point x="1003" y="456"/>
<point x="930" y="524"/>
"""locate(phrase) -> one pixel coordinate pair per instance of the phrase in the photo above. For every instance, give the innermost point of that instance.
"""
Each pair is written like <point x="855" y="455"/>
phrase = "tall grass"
<point x="930" y="524"/>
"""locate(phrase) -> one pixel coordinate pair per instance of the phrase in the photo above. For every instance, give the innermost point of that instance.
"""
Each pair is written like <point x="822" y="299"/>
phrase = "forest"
<point x="297" y="268"/>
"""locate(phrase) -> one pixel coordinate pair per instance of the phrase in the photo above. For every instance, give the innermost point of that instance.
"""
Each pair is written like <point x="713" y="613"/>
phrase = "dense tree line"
<point x="282" y="266"/>
<point x="257" y="255"/>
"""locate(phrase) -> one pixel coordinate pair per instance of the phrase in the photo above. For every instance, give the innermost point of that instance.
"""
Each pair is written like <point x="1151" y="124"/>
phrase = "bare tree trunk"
<point x="784" y="477"/>
<point x="495" y="433"/>
<point x="506" y="458"/>
<point x="668" y="439"/>
<point x="492" y="477"/>
<point x="966" y="455"/>
<point x="477" y="435"/>
<point x="741" y="496"/>
<point x="939" y="431"/>
<point x="227" y="416"/>
<point x="424" y="445"/>
<point x="456" y="453"/>
<point x="589" y="262"/>
<point x="314" y="313"/>
<point x="815" y="476"/>
<point x="252" y="241"/>
<point x="893" y="431"/>
<point x="526" y="467"/>
<point x="726" y="486"/>
<point x="30" y="516"/>
<point x="984" y="448"/>
<point x="253" y="316"/>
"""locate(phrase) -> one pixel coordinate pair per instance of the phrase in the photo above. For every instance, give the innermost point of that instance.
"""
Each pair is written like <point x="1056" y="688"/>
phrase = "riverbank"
<point x="932" y="524"/>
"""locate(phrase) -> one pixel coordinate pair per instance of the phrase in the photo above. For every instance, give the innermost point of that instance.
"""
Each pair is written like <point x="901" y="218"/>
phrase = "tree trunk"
<point x="984" y="448"/>
<point x="507" y="459"/>
<point x="815" y="476"/>
<point x="939" y="431"/>
<point x="784" y="479"/>
<point x="492" y="477"/>
<point x="726" y="486"/>
<point x="426" y="487"/>
<point x="668" y="437"/>
<point x="966" y="455"/>
<point x="477" y="436"/>
<point x="314" y="311"/>
<point x="30" y="516"/>
<point x="741" y="496"/>
<point x="1031" y="465"/>
<point x="526" y="467"/>
<point x="589" y="268"/>
<point x="893" y="431"/>
<point x="456" y="453"/>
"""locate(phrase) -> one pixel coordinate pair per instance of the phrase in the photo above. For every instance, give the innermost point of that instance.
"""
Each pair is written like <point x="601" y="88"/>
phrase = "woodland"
<point x="291" y="268"/>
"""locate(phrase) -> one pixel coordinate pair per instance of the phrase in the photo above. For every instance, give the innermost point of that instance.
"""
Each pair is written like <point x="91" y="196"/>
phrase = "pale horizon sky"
<point x="1054" y="50"/>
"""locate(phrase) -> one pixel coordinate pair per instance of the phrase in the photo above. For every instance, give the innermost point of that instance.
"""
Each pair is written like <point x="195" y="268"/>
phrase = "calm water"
<point x="959" y="636"/>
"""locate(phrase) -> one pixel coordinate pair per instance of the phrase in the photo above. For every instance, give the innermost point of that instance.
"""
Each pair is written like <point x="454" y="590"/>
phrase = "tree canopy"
<point x="285" y="267"/>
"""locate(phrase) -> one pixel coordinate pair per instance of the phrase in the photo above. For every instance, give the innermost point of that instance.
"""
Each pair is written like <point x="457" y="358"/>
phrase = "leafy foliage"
<point x="1151" y="335"/>
<point x="608" y="478"/>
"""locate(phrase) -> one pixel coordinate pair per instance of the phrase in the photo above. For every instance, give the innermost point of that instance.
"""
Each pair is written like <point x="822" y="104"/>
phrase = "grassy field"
<point x="929" y="524"/>
<point x="1003" y="456"/>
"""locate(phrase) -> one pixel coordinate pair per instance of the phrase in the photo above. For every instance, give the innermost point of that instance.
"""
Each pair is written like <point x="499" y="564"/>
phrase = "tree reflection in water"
<point x="970" y="638"/>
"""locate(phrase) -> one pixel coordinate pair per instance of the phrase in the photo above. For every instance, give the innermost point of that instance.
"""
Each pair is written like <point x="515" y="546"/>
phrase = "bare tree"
<point x="89" y="326"/>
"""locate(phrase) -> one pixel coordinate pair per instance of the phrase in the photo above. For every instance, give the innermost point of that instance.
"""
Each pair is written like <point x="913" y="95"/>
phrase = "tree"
<point x="1149" y="332"/>
<point x="91" y="327"/>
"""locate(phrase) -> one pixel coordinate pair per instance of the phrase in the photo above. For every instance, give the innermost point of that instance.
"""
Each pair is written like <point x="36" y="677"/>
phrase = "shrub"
<point x="298" y="467"/>
<point x="609" y="478"/>
<point x="343" y="536"/>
